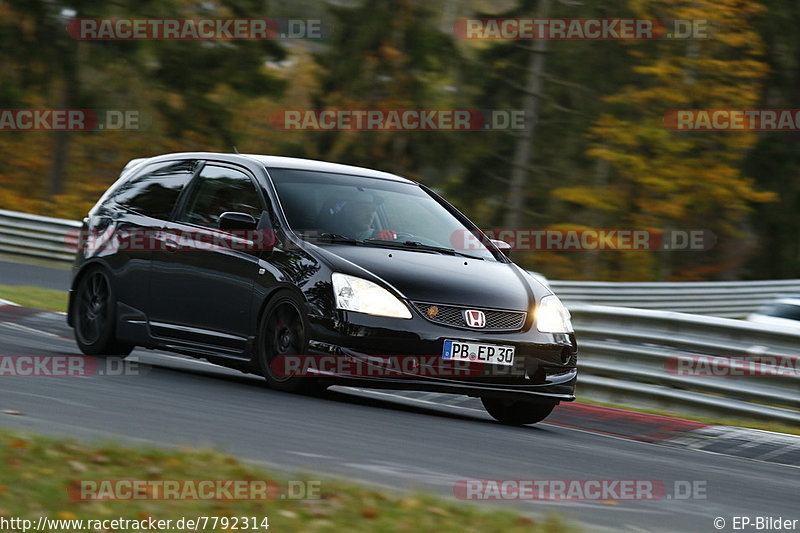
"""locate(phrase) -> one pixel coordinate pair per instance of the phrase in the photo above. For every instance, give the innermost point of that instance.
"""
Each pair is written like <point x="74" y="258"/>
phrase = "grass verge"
<point x="37" y="472"/>
<point x="37" y="297"/>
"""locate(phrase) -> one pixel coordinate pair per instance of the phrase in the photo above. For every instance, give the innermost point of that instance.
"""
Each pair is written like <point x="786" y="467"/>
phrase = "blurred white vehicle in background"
<point x="781" y="312"/>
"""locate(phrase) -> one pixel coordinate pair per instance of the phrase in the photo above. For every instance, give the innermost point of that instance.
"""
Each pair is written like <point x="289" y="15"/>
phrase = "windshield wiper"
<point x="335" y="237"/>
<point x="416" y="245"/>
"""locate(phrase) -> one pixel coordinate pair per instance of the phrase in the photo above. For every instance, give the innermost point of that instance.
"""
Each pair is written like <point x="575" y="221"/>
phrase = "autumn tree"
<point x="561" y="87"/>
<point x="775" y="161"/>
<point x="389" y="54"/>
<point x="187" y="93"/>
<point x="663" y="179"/>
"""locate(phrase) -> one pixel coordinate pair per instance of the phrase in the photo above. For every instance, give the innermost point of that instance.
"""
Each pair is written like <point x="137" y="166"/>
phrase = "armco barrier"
<point x="732" y="299"/>
<point x="36" y="236"/>
<point x="628" y="356"/>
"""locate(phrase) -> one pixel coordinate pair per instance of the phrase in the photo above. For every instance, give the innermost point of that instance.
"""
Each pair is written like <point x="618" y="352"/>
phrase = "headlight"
<point x="552" y="316"/>
<point x="362" y="296"/>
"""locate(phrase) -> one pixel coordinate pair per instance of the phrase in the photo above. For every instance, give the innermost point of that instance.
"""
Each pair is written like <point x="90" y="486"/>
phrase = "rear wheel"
<point x="518" y="412"/>
<point x="95" y="316"/>
<point x="282" y="334"/>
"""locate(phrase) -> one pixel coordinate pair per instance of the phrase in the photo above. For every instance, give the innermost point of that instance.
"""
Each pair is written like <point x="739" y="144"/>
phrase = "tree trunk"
<point x="69" y="100"/>
<point x="515" y="202"/>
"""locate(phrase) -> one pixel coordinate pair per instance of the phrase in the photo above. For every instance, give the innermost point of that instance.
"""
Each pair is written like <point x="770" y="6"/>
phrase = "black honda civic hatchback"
<point x="312" y="273"/>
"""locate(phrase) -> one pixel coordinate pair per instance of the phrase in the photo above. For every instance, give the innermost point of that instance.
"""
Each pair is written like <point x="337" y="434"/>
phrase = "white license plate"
<point x="477" y="352"/>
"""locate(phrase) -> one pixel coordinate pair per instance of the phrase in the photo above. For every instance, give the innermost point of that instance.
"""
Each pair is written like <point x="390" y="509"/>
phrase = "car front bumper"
<point x="545" y="365"/>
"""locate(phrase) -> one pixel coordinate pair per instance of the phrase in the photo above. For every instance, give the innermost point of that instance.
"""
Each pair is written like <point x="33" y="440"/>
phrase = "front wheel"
<point x="518" y="412"/>
<point x="282" y="335"/>
<point x="95" y="316"/>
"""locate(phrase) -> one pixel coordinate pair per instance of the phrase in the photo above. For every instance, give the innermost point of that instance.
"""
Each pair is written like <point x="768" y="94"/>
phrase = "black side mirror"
<point x="503" y="246"/>
<point x="236" y="221"/>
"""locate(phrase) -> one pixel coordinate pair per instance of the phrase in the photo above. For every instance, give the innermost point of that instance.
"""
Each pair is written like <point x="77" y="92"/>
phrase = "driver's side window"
<point x="219" y="190"/>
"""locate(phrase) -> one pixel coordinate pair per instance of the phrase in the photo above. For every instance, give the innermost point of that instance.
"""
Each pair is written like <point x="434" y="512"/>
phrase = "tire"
<point x="282" y="332"/>
<point x="518" y="412"/>
<point x="95" y="316"/>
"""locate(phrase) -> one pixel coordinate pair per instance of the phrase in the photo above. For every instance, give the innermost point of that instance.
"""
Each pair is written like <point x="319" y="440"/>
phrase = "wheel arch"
<point x="276" y="292"/>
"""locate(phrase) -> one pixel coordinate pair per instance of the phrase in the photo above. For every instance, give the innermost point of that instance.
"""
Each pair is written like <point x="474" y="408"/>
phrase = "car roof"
<point x="790" y="300"/>
<point x="274" y="161"/>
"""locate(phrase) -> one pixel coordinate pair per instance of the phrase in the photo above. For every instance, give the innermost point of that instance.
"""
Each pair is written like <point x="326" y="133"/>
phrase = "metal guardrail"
<point x="39" y="237"/>
<point x="731" y="299"/>
<point x="631" y="357"/>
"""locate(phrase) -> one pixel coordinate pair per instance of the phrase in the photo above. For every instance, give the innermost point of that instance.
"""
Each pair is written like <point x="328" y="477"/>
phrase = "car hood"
<point x="437" y="278"/>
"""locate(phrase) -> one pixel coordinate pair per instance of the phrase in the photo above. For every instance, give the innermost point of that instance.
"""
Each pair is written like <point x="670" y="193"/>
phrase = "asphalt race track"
<point x="12" y="273"/>
<point x="378" y="438"/>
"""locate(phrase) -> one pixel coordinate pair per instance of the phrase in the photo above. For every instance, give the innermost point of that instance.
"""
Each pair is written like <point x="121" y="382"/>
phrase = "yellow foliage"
<point x="675" y="179"/>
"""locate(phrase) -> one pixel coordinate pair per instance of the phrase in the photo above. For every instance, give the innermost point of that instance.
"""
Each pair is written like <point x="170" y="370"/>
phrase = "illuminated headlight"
<point x="552" y="316"/>
<point x="363" y="296"/>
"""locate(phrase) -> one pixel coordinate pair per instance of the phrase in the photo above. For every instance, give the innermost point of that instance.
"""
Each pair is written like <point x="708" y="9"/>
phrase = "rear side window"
<point x="154" y="192"/>
<point x="219" y="190"/>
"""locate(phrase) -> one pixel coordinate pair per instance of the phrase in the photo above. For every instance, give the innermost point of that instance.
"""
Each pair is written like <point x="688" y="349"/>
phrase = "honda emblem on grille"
<point x="474" y="318"/>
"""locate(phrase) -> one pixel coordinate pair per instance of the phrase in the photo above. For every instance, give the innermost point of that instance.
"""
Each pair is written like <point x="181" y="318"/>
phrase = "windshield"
<point x="370" y="211"/>
<point x="782" y="310"/>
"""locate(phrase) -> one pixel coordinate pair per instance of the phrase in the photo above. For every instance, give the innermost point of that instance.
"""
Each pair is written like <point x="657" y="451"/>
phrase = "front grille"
<point x="450" y="315"/>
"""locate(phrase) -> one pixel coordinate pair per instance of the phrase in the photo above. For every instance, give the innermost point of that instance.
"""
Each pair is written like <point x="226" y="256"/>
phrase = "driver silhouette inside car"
<point x="355" y="217"/>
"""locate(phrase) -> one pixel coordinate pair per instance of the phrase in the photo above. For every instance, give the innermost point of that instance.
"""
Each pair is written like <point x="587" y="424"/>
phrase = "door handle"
<point x="170" y="245"/>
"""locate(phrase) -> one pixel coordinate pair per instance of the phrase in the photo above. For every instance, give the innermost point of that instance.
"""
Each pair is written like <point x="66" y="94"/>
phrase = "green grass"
<point x="37" y="297"/>
<point x="37" y="470"/>
<point x="739" y="422"/>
